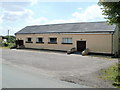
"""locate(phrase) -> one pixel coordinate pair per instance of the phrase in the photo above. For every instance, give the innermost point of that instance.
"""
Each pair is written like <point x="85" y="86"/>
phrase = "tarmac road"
<point x="59" y="65"/>
<point x="13" y="77"/>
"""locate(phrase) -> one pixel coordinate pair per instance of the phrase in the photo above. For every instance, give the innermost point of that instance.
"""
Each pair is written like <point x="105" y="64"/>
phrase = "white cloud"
<point x="38" y="21"/>
<point x="80" y="8"/>
<point x="13" y="11"/>
<point x="33" y="2"/>
<point x="16" y="15"/>
<point x="29" y="1"/>
<point x="1" y="20"/>
<point x="92" y="13"/>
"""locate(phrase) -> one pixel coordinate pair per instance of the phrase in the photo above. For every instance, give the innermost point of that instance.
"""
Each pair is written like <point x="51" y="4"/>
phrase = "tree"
<point x="112" y="12"/>
<point x="11" y="39"/>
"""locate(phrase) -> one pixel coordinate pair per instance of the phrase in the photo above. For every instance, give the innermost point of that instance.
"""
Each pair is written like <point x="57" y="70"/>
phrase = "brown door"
<point x="81" y="45"/>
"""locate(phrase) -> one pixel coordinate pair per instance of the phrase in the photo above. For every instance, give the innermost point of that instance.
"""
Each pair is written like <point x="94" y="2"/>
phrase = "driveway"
<point x="57" y="65"/>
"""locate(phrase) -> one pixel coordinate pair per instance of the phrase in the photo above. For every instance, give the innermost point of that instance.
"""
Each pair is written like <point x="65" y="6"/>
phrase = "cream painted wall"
<point x="99" y="43"/>
<point x="116" y="41"/>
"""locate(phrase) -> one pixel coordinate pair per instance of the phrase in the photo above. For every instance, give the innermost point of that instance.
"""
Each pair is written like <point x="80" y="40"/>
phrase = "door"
<point x="81" y="45"/>
<point x="19" y="42"/>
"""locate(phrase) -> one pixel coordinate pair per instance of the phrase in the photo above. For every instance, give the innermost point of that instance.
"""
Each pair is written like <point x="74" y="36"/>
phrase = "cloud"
<point x="17" y="5"/>
<point x="33" y="2"/>
<point x="51" y="0"/>
<point x="80" y="8"/>
<point x="11" y="16"/>
<point x="1" y="20"/>
<point x="13" y="11"/>
<point x="37" y="21"/>
<point x="18" y="12"/>
<point x="27" y="1"/>
<point x="92" y="13"/>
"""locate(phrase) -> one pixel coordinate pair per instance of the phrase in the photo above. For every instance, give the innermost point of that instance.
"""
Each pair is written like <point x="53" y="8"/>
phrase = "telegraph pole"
<point x="8" y="35"/>
<point x="8" y="32"/>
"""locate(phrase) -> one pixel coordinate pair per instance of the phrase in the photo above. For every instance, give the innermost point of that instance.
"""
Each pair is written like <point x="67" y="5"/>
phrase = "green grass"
<point x="113" y="74"/>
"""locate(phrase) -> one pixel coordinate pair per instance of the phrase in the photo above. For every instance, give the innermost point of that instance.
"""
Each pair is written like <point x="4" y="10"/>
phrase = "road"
<point x="17" y="78"/>
<point x="58" y="65"/>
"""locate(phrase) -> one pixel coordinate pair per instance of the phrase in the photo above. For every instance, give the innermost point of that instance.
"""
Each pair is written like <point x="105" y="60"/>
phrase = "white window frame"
<point x="66" y="40"/>
<point x="27" y="39"/>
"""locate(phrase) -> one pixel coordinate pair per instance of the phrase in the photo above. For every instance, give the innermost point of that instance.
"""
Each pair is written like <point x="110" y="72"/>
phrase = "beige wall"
<point x="116" y="43"/>
<point x="99" y="43"/>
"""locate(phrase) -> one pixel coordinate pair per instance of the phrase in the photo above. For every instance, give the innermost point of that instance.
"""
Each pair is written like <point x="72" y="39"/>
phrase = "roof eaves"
<point x="69" y="32"/>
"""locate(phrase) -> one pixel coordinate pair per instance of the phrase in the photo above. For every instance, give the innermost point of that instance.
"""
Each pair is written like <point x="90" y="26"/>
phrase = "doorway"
<point x="19" y="42"/>
<point x="81" y="45"/>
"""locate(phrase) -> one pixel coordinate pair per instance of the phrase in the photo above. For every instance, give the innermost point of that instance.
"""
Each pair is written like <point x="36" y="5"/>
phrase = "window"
<point x="39" y="40"/>
<point x="52" y="40"/>
<point x="67" y="41"/>
<point x="29" y="40"/>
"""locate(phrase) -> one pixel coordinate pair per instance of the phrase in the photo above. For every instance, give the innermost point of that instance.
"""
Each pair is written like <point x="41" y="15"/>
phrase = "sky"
<point x="15" y="15"/>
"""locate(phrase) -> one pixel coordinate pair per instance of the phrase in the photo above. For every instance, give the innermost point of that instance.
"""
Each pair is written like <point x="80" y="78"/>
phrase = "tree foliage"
<point x="10" y="39"/>
<point x="111" y="10"/>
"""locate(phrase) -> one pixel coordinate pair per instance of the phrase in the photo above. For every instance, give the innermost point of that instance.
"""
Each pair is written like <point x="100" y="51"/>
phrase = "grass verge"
<point x="112" y="74"/>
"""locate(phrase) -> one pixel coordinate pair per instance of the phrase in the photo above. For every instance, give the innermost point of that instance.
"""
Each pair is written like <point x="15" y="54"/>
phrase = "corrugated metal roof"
<point x="83" y="27"/>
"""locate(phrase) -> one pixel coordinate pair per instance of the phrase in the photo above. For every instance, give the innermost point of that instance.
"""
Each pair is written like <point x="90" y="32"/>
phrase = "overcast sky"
<point x="16" y="15"/>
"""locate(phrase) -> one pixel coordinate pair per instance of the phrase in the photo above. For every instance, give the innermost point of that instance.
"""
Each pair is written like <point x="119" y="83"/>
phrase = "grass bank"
<point x="112" y="74"/>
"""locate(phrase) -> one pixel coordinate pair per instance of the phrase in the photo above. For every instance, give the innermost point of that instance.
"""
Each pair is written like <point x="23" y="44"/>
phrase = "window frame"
<point x="27" y="40"/>
<point x="49" y="42"/>
<point x="37" y="41"/>
<point x="67" y="40"/>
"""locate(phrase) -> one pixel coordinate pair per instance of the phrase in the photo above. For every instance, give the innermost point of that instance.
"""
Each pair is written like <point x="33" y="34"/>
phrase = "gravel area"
<point x="77" y="69"/>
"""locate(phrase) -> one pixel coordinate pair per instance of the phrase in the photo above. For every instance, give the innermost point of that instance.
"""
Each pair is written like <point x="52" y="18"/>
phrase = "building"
<point x="98" y="37"/>
<point x="3" y="39"/>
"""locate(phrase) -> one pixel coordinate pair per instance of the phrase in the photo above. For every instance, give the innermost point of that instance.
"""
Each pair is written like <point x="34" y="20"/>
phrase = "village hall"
<point x="98" y="37"/>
